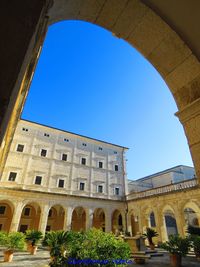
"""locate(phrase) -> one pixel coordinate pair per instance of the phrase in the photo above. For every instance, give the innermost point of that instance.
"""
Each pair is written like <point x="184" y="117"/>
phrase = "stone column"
<point x="16" y="217"/>
<point x="129" y="226"/>
<point x="141" y="224"/>
<point x="159" y="223"/>
<point x="108" y="221"/>
<point x="89" y="218"/>
<point x="190" y="119"/>
<point x="124" y="221"/>
<point x="43" y="218"/>
<point x="179" y="216"/>
<point x="68" y="219"/>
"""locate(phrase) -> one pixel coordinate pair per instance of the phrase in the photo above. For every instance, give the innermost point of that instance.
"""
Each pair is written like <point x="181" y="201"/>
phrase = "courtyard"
<point x="41" y="259"/>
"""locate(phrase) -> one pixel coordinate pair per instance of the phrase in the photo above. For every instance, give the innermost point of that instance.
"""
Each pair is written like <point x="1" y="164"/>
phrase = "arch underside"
<point x="141" y="27"/>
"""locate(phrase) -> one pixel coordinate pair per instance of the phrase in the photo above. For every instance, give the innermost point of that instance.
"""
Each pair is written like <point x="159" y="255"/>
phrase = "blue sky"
<point x="89" y="82"/>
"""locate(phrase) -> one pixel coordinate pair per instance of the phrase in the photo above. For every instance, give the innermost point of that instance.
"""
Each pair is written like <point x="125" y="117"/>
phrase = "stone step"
<point x="137" y="256"/>
<point x="158" y="254"/>
<point x="139" y="253"/>
<point x="149" y="251"/>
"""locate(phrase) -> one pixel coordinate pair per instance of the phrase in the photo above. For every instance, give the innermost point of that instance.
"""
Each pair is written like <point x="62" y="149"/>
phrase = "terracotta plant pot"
<point x="8" y="255"/>
<point x="152" y="246"/>
<point x="29" y="246"/>
<point x="33" y="250"/>
<point x="139" y="261"/>
<point x="175" y="260"/>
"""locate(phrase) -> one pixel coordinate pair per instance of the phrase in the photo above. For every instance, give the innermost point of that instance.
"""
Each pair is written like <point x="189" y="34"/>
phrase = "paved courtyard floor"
<point x="41" y="259"/>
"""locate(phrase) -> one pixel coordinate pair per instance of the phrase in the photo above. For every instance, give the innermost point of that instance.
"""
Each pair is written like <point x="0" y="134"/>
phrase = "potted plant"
<point x="149" y="234"/>
<point x="56" y="241"/>
<point x="12" y="241"/>
<point x="177" y="247"/>
<point x="32" y="238"/>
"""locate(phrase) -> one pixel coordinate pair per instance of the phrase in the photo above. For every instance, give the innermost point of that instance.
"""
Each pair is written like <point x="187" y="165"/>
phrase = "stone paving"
<point x="41" y="259"/>
<point x="163" y="261"/>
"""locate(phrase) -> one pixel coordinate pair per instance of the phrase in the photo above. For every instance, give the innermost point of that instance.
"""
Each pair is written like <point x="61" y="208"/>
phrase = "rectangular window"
<point x="2" y="209"/>
<point x="27" y="211"/>
<point x="100" y="188"/>
<point x="61" y="183"/>
<point x="23" y="228"/>
<point x="1" y="226"/>
<point x="12" y="176"/>
<point x="82" y="186"/>
<point x="48" y="228"/>
<point x="64" y="157"/>
<point x="100" y="164"/>
<point x="116" y="191"/>
<point x="83" y="161"/>
<point x="20" y="148"/>
<point x="38" y="180"/>
<point x="43" y="153"/>
<point x="116" y="168"/>
<point x="50" y="213"/>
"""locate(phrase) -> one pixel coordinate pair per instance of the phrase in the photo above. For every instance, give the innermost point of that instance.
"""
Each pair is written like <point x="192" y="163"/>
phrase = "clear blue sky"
<point x="89" y="82"/>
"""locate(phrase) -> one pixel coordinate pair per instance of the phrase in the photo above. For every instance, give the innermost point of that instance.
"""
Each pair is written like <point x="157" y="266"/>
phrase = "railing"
<point x="163" y="189"/>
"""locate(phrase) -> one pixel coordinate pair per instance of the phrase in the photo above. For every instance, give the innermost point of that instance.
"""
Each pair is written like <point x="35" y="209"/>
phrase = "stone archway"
<point x="78" y="219"/>
<point x="30" y="217"/>
<point x="134" y="224"/>
<point x="133" y="21"/>
<point x="117" y="222"/>
<point x="191" y="214"/>
<point x="99" y="219"/>
<point x="6" y="214"/>
<point x="152" y="221"/>
<point x="56" y="217"/>
<point x="170" y="223"/>
<point x="191" y="217"/>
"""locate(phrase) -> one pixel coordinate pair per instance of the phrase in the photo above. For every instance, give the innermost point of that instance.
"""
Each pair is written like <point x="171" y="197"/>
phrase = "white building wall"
<point x="29" y="163"/>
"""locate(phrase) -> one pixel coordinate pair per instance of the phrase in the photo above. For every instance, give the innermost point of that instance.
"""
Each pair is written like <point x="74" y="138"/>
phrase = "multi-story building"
<point x="170" y="176"/>
<point x="51" y="160"/>
<point x="59" y="163"/>
<point x="54" y="179"/>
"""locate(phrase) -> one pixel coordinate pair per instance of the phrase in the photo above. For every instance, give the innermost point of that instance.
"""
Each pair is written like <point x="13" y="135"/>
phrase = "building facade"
<point x="56" y="180"/>
<point x="51" y="161"/>
<point x="170" y="176"/>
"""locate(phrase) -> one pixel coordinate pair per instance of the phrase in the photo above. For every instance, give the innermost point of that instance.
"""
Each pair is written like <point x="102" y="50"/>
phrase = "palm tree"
<point x="150" y="233"/>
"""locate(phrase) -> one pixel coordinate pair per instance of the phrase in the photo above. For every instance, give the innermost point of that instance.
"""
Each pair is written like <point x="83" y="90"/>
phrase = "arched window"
<point x="152" y="220"/>
<point x="120" y="220"/>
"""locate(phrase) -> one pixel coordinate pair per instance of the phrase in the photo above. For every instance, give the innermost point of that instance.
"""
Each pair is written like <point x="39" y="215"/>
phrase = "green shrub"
<point x="33" y="236"/>
<point x="67" y="248"/>
<point x="57" y="242"/>
<point x="177" y="245"/>
<point x="100" y="246"/>
<point x="3" y="237"/>
<point x="12" y="241"/>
